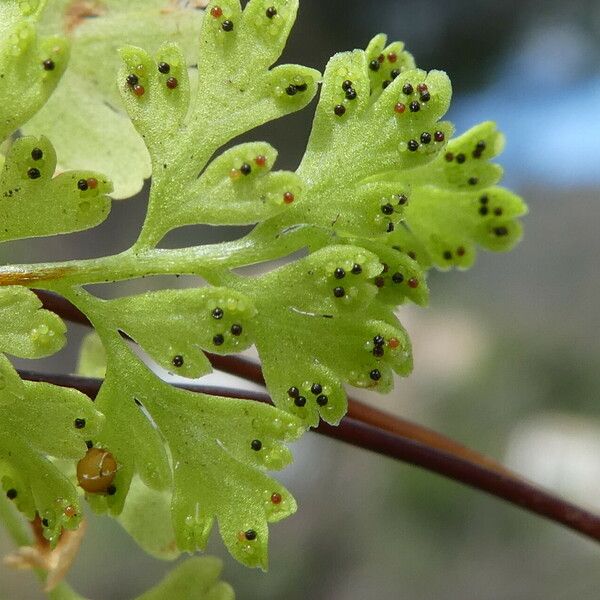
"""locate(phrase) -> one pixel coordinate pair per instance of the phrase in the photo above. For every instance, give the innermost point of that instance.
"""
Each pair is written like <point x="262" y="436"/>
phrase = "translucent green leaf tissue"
<point x="383" y="194"/>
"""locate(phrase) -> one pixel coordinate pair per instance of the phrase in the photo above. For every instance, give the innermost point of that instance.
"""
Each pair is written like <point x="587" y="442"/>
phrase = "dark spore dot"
<point x="439" y="136"/>
<point x="246" y="169"/>
<point x="375" y="374"/>
<point x="346" y="85"/>
<point x="217" y="313"/>
<point x="339" y="273"/>
<point x="11" y="494"/>
<point x="498" y="212"/>
<point x="164" y="67"/>
<point x="45" y="522"/>
<point x="425" y="137"/>
<point x="414" y="106"/>
<point x="386" y="267"/>
<point x="82" y="184"/>
<point x="339" y="292"/>
<point x="378" y="351"/>
<point x="395" y="73"/>
<point x="425" y="97"/>
<point x="422" y="87"/>
<point x="483" y="210"/>
<point x="379" y="340"/>
<point x="460" y="158"/>
<point x="339" y="109"/>
<point x="449" y="156"/>
<point x="402" y="199"/>
<point x="33" y="173"/>
<point x="250" y="535"/>
<point x="132" y="79"/>
<point x="484" y="199"/>
<point x="379" y="281"/>
<point x="412" y="254"/>
<point x="374" y="65"/>
<point x="397" y="277"/>
<point x="111" y="490"/>
<point x="390" y="227"/>
<point x="177" y="361"/>
<point x="236" y="329"/>
<point x="316" y="388"/>
<point x="473" y="181"/>
<point x="37" y="154"/>
<point x="413" y="145"/>
<point x="408" y="89"/>
<point x="79" y="423"/>
<point x="48" y="64"/>
<point x="293" y="392"/>
<point x="291" y="90"/>
<point x="172" y="83"/>
<point x="351" y="94"/>
<point x="139" y="90"/>
<point x="256" y="445"/>
<point x="301" y="87"/>
<point x="89" y="444"/>
<point x="501" y="231"/>
<point x="413" y="283"/>
<point x="480" y="145"/>
<point x="381" y="58"/>
<point x="322" y="399"/>
<point x="271" y="12"/>
<point x="300" y="401"/>
<point x="227" y="25"/>
<point x="448" y="255"/>
<point x="460" y="251"/>
<point x="385" y="83"/>
<point x="356" y="269"/>
<point x="387" y="209"/>
<point x="218" y="339"/>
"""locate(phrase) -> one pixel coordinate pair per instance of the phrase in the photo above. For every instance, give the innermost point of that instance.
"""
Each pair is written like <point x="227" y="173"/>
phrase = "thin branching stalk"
<point x="371" y="429"/>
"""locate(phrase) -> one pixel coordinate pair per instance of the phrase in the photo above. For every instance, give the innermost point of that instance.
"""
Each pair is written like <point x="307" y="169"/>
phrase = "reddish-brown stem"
<point x="369" y="437"/>
<point x="251" y="371"/>
<point x="364" y="413"/>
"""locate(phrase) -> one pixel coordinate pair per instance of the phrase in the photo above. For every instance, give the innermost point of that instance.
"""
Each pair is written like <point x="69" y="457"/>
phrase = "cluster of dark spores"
<point x="484" y="210"/>
<point x="218" y="339"/>
<point x="165" y="68"/>
<point x="340" y="273"/>
<point x="133" y="81"/>
<point x="236" y="329"/>
<point x="349" y="93"/>
<point x="461" y="158"/>
<point x="460" y="252"/>
<point x="377" y="64"/>
<point x="388" y="209"/>
<point x="34" y="172"/>
<point x="397" y="277"/>
<point x="293" y="88"/>
<point x="316" y="389"/>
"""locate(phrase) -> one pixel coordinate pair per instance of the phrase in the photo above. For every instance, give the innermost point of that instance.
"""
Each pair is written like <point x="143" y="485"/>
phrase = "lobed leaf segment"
<point x="383" y="194"/>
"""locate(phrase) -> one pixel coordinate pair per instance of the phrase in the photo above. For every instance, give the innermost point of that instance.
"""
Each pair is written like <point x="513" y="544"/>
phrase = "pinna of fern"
<point x="383" y="194"/>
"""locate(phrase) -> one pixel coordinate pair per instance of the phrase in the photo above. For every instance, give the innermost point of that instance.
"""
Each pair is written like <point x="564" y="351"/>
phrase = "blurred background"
<point x="507" y="357"/>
